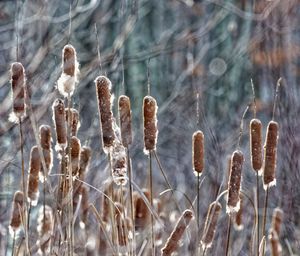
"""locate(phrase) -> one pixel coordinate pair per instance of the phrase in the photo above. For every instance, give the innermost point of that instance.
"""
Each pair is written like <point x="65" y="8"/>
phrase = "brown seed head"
<point x="276" y="249"/>
<point x="73" y="122"/>
<point x="125" y="120"/>
<point x="118" y="163"/>
<point x="234" y="185"/>
<point x="270" y="154"/>
<point x="172" y="242"/>
<point x="211" y="221"/>
<point x="75" y="154"/>
<point x="60" y="123"/>
<point x="33" y="176"/>
<point x="256" y="144"/>
<point x="16" y="214"/>
<point x="277" y="220"/>
<point x="45" y="227"/>
<point x="85" y="158"/>
<point x="45" y="138"/>
<point x="18" y="88"/>
<point x="198" y="152"/>
<point x="103" y="86"/>
<point x="150" y="123"/>
<point x="69" y="60"/>
<point x="142" y="214"/>
<point x="238" y="218"/>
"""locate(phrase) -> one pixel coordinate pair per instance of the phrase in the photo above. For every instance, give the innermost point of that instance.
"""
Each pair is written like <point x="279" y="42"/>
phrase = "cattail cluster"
<point x="256" y="144"/>
<point x="234" y="185"/>
<point x="118" y="163"/>
<point x="59" y="118"/>
<point x="125" y="120"/>
<point x="142" y="214"/>
<point x="44" y="228"/>
<point x="73" y="121"/>
<point x="172" y="242"/>
<point x="33" y="176"/>
<point x="270" y="155"/>
<point x="103" y="87"/>
<point x="150" y="124"/>
<point x="210" y="226"/>
<point x="70" y="70"/>
<point x="18" y="81"/>
<point x="45" y="140"/>
<point x="17" y="210"/>
<point x="75" y="154"/>
<point x="198" y="152"/>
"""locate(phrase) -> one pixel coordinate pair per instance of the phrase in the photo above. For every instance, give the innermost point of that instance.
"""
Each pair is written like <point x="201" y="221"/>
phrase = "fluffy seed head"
<point x="125" y="120"/>
<point x="211" y="221"/>
<point x="141" y="212"/>
<point x="33" y="176"/>
<point x="150" y="124"/>
<point x="234" y="185"/>
<point x="172" y="242"/>
<point x="103" y="86"/>
<point x="118" y="163"/>
<point x="44" y="228"/>
<point x="198" y="152"/>
<point x="16" y="214"/>
<point x="277" y="220"/>
<point x="75" y="154"/>
<point x="74" y="121"/>
<point x="45" y="139"/>
<point x="270" y="154"/>
<point x="85" y="158"/>
<point x="18" y="90"/>
<point x="238" y="218"/>
<point x="59" y="118"/>
<point x="256" y="144"/>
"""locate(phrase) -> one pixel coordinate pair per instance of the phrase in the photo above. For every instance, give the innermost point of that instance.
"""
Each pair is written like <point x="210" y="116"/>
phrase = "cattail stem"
<point x="254" y="98"/>
<point x="265" y="212"/>
<point x="276" y="97"/>
<point x="151" y="202"/>
<point x="257" y="205"/>
<point x="204" y="251"/>
<point x="13" y="244"/>
<point x="28" y="217"/>
<point x="198" y="205"/>
<point x="228" y="235"/>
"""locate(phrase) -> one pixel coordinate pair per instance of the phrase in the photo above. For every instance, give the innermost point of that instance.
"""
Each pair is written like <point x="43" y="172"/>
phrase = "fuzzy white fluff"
<point x="232" y="209"/>
<point x="66" y="84"/>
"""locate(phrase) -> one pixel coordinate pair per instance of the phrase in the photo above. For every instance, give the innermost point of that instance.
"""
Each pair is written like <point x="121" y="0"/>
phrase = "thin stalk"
<point x="13" y="245"/>
<point x="228" y="235"/>
<point x="265" y="212"/>
<point x="28" y="217"/>
<point x="257" y="204"/>
<point x="204" y="251"/>
<point x="151" y="201"/>
<point x="198" y="206"/>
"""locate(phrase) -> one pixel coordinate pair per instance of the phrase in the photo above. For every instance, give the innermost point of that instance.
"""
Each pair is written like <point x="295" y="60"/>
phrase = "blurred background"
<point x="209" y="48"/>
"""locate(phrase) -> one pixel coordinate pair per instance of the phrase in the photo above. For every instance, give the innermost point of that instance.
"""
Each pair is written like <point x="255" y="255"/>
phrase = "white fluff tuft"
<point x="232" y="209"/>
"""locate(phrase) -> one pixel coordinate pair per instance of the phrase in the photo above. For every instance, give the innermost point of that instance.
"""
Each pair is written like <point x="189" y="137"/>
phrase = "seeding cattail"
<point x="59" y="118"/>
<point x="45" y="139"/>
<point x="73" y="121"/>
<point x="105" y="99"/>
<point x="238" y="218"/>
<point x="75" y="155"/>
<point x="125" y="120"/>
<point x="142" y="214"/>
<point x="150" y="124"/>
<point x="16" y="214"/>
<point x="211" y="221"/>
<point x="18" y="91"/>
<point x="33" y="176"/>
<point x="198" y="152"/>
<point x="277" y="220"/>
<point x="270" y="154"/>
<point x="118" y="163"/>
<point x="69" y="77"/>
<point x="234" y="185"/>
<point x="256" y="144"/>
<point x="276" y="249"/>
<point x="44" y="228"/>
<point x="172" y="242"/>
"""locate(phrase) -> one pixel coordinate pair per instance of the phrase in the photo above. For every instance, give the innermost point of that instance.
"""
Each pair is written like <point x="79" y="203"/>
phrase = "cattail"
<point x="33" y="176"/>
<point x="142" y="214"/>
<point x="18" y="81"/>
<point x="75" y="155"/>
<point x="234" y="185"/>
<point x="59" y="118"/>
<point x="85" y="158"/>
<point x="44" y="228"/>
<point x="150" y="124"/>
<point x="172" y="242"/>
<point x="211" y="221"/>
<point x="198" y="152"/>
<point x="118" y="163"/>
<point x="69" y="77"/>
<point x="105" y="99"/>
<point x="16" y="214"/>
<point x="238" y="218"/>
<point x="277" y="220"/>
<point x="256" y="144"/>
<point x="125" y="120"/>
<point x="45" y="139"/>
<point x="276" y="249"/>
<point x="73" y="121"/>
<point x="270" y="154"/>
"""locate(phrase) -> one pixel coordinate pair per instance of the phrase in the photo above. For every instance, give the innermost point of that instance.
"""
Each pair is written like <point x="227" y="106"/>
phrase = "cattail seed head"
<point x="118" y="163"/>
<point x="198" y="152"/>
<point x="33" y="176"/>
<point x="75" y="154"/>
<point x="125" y="120"/>
<point x="44" y="228"/>
<point x="277" y="220"/>
<point x="234" y="185"/>
<point x="172" y="242"/>
<point x="103" y="87"/>
<point x="59" y="118"/>
<point x="18" y="81"/>
<point x="16" y="214"/>
<point x="238" y="218"/>
<point x="211" y="221"/>
<point x="142" y="214"/>
<point x="270" y="155"/>
<point x="256" y="144"/>
<point x="276" y="249"/>
<point x="150" y="124"/>
<point x="73" y="121"/>
<point x="45" y="139"/>
<point x="85" y="158"/>
<point x="69" y="77"/>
